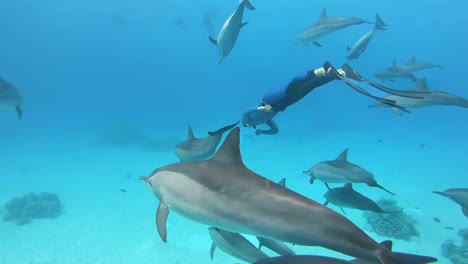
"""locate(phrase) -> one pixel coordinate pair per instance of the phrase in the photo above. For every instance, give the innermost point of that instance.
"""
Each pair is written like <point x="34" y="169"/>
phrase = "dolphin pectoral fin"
<point x="465" y="211"/>
<point x="317" y="44"/>
<point x="161" y="217"/>
<point x="19" y="111"/>
<point x="342" y="210"/>
<point x="328" y="187"/>
<point x="212" y="250"/>
<point x="312" y="179"/>
<point x="213" y="41"/>
<point x="244" y="24"/>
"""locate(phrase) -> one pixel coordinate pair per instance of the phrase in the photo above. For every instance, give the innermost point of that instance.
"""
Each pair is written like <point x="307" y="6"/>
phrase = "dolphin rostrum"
<point x="228" y="34"/>
<point x="340" y="170"/>
<point x="325" y="26"/>
<point x="432" y="98"/>
<point x="222" y="192"/>
<point x="413" y="65"/>
<point x="10" y="97"/>
<point x="459" y="196"/>
<point x="235" y="245"/>
<point x="200" y="148"/>
<point x="355" y="51"/>
<point x="347" y="197"/>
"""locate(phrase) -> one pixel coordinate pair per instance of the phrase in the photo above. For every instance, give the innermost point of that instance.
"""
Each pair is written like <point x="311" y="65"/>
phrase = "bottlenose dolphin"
<point x="222" y="192"/>
<point x="458" y="195"/>
<point x="200" y="148"/>
<point x="340" y="170"/>
<point x="325" y="26"/>
<point x="10" y="97"/>
<point x="361" y="44"/>
<point x="403" y="258"/>
<point x="275" y="245"/>
<point x="393" y="72"/>
<point x="347" y="197"/>
<point x="228" y="34"/>
<point x="432" y="98"/>
<point x="413" y="65"/>
<point x="235" y="245"/>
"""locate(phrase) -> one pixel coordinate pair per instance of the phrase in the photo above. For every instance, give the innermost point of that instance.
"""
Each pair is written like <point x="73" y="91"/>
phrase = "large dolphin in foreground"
<point x="228" y="34"/>
<point x="413" y="65"/>
<point x="459" y="196"/>
<point x="325" y="26"/>
<point x="10" y="97"/>
<point x="200" y="148"/>
<point x="432" y="98"/>
<point x="222" y="192"/>
<point x="347" y="197"/>
<point x="355" y="51"/>
<point x="235" y="245"/>
<point x="340" y="170"/>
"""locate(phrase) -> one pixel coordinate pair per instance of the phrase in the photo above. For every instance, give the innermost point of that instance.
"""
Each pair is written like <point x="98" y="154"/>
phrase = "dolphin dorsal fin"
<point x="343" y="155"/>
<point x="282" y="182"/>
<point x="387" y="244"/>
<point x="190" y="133"/>
<point x="421" y="85"/>
<point x="323" y="16"/>
<point x="229" y="152"/>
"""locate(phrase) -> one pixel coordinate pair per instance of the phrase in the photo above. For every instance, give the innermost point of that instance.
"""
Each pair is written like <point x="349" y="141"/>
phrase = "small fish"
<point x="123" y="190"/>
<point x="436" y="219"/>
<point x="380" y="140"/>
<point x="449" y="227"/>
<point x="422" y="145"/>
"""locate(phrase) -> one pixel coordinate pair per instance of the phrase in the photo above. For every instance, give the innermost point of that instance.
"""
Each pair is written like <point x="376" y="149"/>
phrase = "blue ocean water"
<point x="98" y="77"/>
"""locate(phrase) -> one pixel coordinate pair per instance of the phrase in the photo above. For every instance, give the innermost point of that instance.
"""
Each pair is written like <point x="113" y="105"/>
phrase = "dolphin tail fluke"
<point x="19" y="111"/>
<point x="381" y="187"/>
<point x="247" y="4"/>
<point x="379" y="24"/>
<point x="223" y="129"/>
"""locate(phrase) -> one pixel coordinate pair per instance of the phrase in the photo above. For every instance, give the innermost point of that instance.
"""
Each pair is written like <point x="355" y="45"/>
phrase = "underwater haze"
<point x="110" y="87"/>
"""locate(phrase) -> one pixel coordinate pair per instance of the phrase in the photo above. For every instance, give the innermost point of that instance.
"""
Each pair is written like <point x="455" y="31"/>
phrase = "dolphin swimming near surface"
<point x="355" y="51"/>
<point x="235" y="245"/>
<point x="325" y="26"/>
<point x="413" y="65"/>
<point x="459" y="196"/>
<point x="200" y="148"/>
<point x="222" y="192"/>
<point x="432" y="98"/>
<point x="347" y="197"/>
<point x="10" y="97"/>
<point x="340" y="170"/>
<point x="228" y="34"/>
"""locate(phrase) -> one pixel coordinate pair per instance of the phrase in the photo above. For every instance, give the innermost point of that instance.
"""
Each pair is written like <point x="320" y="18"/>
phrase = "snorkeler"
<point x="277" y="100"/>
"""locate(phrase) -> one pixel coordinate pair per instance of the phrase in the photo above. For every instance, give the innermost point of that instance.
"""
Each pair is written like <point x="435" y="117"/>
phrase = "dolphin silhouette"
<point x="325" y="26"/>
<point x="432" y="98"/>
<point x="414" y="65"/>
<point x="228" y="34"/>
<point x="355" y="51"/>
<point x="10" y="97"/>
<point x="340" y="170"/>
<point x="459" y="196"/>
<point x="222" y="192"/>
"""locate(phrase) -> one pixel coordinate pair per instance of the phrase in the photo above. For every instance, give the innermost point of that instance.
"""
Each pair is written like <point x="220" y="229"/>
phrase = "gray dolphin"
<point x="222" y="192"/>
<point x="432" y="98"/>
<point x="393" y="72"/>
<point x="361" y="44"/>
<point x="10" y="97"/>
<point x="200" y="148"/>
<point x="340" y="170"/>
<point x="403" y="258"/>
<point x="459" y="196"/>
<point x="228" y="34"/>
<point x="347" y="197"/>
<point x="235" y="245"/>
<point x="413" y="65"/>
<point x="325" y="26"/>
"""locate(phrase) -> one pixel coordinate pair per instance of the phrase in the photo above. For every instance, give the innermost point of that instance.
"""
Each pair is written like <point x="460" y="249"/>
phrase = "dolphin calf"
<point x="235" y="245"/>
<point x="347" y="197"/>
<point x="459" y="196"/>
<point x="200" y="148"/>
<point x="355" y="51"/>
<point x="228" y="34"/>
<point x="413" y="65"/>
<point x="432" y="98"/>
<point x="10" y="97"/>
<point x="222" y="192"/>
<point x="325" y="26"/>
<point x="340" y="170"/>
